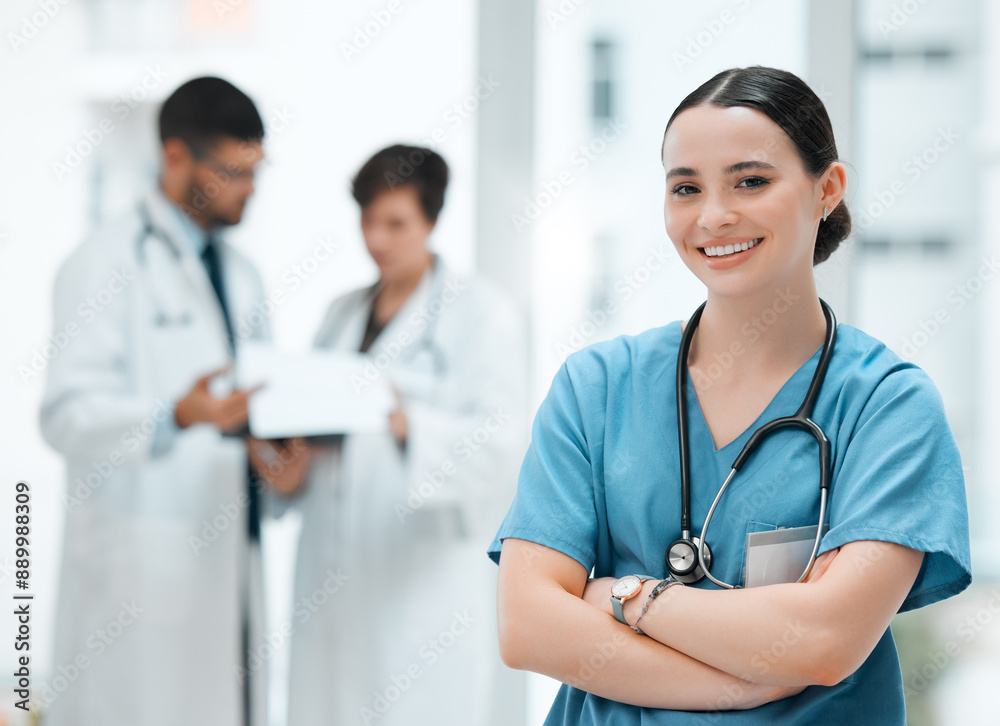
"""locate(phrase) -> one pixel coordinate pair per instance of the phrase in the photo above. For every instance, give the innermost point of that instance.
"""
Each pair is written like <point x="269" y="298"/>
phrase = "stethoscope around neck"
<point x="689" y="559"/>
<point x="165" y="315"/>
<point x="421" y="343"/>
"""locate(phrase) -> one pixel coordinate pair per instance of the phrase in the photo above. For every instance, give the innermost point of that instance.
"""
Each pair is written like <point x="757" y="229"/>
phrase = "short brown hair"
<point x="401" y="165"/>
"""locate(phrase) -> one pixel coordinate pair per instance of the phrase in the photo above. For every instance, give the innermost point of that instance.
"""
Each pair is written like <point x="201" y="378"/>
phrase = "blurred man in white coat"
<point x="394" y="616"/>
<point x="160" y="588"/>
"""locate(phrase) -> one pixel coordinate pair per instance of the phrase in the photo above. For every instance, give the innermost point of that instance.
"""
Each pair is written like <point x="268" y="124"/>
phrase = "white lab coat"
<point x="394" y="617"/>
<point x="156" y="565"/>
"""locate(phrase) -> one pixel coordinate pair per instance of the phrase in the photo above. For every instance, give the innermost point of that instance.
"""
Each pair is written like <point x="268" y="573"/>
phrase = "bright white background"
<point x="329" y="110"/>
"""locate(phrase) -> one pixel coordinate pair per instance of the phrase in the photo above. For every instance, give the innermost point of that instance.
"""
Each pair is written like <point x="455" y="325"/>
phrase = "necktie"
<point x="210" y="257"/>
<point x="213" y="266"/>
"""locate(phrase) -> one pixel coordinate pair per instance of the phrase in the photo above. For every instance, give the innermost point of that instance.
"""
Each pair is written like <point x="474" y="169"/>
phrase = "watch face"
<point x="625" y="586"/>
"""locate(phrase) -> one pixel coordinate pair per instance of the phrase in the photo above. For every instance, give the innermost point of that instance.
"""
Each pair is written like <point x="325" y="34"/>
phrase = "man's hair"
<point x="206" y="110"/>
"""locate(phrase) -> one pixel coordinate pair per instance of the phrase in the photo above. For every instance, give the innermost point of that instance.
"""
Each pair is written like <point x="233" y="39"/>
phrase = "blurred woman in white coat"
<point x="394" y="607"/>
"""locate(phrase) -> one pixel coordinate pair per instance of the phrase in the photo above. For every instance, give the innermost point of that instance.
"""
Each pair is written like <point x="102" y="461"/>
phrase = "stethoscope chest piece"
<point x="682" y="560"/>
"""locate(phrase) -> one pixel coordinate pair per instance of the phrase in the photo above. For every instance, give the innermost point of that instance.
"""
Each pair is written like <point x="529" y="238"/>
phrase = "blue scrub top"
<point x="601" y="484"/>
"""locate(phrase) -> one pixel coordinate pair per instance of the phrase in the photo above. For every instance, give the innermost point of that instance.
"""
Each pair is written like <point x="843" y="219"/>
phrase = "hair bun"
<point x="832" y="232"/>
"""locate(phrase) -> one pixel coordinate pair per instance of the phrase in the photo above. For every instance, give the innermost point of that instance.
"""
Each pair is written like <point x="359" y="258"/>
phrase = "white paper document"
<point x="312" y="394"/>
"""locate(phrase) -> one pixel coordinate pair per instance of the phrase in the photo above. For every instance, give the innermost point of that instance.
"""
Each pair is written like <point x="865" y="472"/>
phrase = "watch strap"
<point x="616" y="606"/>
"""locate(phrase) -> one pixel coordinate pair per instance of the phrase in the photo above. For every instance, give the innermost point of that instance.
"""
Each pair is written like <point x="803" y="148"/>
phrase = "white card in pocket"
<point x="778" y="555"/>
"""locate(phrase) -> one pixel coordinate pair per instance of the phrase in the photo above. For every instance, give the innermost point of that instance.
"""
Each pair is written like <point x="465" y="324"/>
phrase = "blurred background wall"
<point x="550" y="113"/>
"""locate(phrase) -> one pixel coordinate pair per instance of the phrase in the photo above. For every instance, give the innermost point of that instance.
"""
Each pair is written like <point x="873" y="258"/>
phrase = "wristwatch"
<point x="625" y="588"/>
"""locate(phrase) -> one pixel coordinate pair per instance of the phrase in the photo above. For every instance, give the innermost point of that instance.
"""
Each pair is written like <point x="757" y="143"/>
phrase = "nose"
<point x="716" y="212"/>
<point x="375" y="237"/>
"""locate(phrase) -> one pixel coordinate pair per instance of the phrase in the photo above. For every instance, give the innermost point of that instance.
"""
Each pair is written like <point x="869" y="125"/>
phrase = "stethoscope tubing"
<point x="801" y="419"/>
<point x="150" y="231"/>
<point x="426" y="337"/>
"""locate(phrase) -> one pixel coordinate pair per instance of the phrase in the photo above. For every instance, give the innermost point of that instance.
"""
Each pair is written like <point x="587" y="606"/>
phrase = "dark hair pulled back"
<point x="785" y="99"/>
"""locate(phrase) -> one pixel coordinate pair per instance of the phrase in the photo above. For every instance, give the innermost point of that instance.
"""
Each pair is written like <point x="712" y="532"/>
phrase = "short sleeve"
<point x="900" y="480"/>
<point x="554" y="503"/>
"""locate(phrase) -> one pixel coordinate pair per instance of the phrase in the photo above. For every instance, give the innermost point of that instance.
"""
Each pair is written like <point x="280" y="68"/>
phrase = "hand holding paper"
<point x="283" y="466"/>
<point x="312" y="394"/>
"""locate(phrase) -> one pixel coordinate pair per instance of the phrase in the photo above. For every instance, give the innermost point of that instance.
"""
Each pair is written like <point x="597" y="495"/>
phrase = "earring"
<point x="826" y="213"/>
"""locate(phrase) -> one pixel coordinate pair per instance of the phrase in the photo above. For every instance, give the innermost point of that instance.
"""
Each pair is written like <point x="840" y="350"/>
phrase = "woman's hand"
<point x="821" y="565"/>
<point x="397" y="424"/>
<point x="283" y="467"/>
<point x="397" y="419"/>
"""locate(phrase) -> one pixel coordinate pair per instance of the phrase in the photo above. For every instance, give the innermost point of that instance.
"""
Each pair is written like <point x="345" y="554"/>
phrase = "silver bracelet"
<point x="660" y="587"/>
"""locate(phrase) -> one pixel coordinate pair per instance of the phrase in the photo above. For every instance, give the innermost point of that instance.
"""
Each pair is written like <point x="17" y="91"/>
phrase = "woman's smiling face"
<point x="740" y="207"/>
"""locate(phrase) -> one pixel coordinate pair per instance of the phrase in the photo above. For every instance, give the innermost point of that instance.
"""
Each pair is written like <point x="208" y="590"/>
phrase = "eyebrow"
<point x="735" y="168"/>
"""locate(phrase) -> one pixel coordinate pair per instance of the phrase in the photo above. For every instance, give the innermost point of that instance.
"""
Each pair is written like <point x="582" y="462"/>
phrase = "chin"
<point x="746" y="289"/>
<point x="227" y="220"/>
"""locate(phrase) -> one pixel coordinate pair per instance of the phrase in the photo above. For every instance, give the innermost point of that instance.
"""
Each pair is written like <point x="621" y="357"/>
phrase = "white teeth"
<point x="723" y="250"/>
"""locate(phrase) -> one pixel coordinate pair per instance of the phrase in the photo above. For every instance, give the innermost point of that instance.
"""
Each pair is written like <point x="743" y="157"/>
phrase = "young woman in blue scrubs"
<point x="754" y="199"/>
